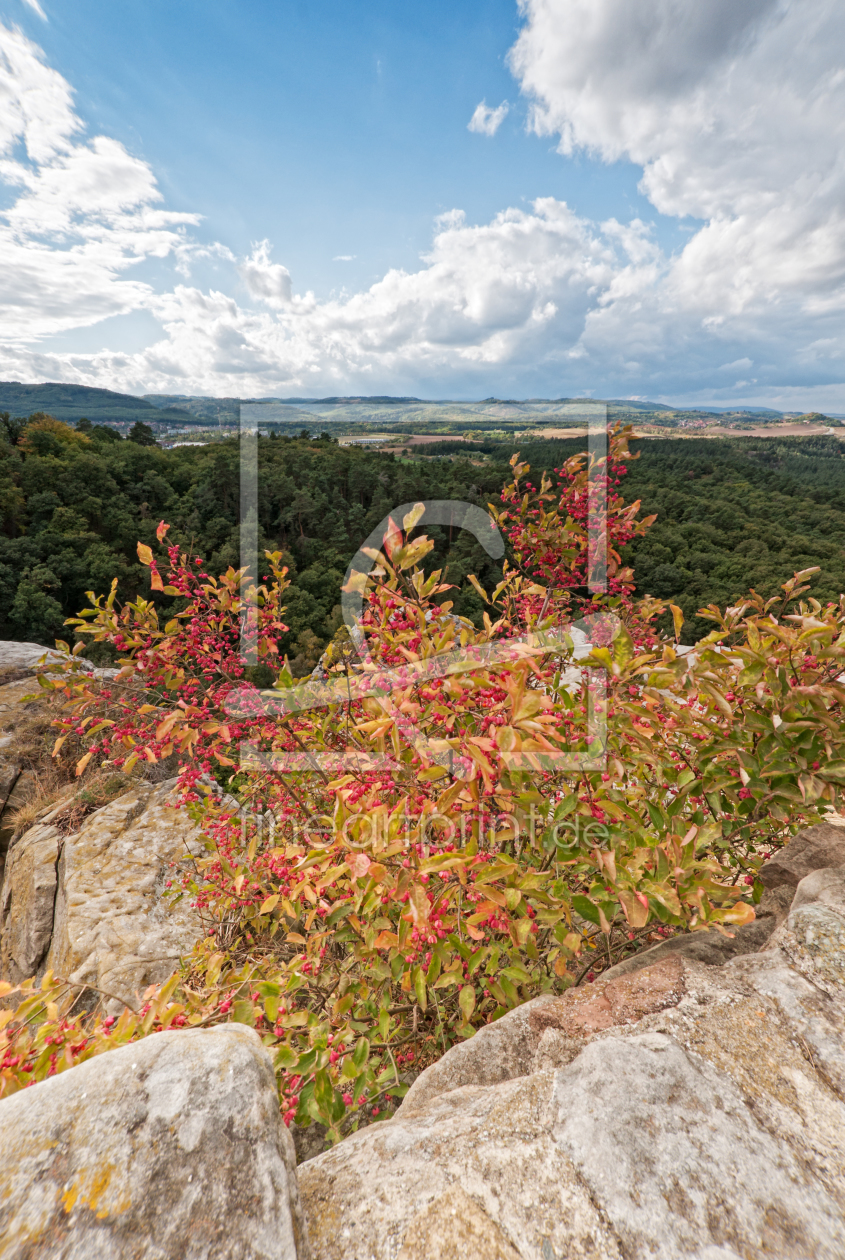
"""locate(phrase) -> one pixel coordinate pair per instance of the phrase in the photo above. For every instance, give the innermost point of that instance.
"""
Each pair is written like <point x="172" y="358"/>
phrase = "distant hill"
<point x="71" y="402"/>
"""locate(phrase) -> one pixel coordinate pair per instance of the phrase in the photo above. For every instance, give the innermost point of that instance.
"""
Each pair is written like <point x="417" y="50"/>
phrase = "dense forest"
<point x="732" y="513"/>
<point x="74" y="504"/>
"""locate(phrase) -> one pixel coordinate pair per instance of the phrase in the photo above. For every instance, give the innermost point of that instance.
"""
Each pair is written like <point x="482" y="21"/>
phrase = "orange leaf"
<point x="740" y="914"/>
<point x="418" y="905"/>
<point x="161" y="531"/>
<point x="156" y="583"/>
<point x="386" y="940"/>
<point x="80" y="765"/>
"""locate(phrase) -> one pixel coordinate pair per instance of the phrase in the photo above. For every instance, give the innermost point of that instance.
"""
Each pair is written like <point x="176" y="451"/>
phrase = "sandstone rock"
<point x="18" y="656"/>
<point x="668" y="1147"/>
<point x="825" y="886"/>
<point x="699" y="1107"/>
<point x="453" y="1227"/>
<point x="475" y="1174"/>
<point x="813" y="940"/>
<point x="16" y="783"/>
<point x="9" y="772"/>
<point x="810" y="850"/>
<point x="114" y="928"/>
<point x="27" y="899"/>
<point x="169" y="1148"/>
<point x="507" y="1048"/>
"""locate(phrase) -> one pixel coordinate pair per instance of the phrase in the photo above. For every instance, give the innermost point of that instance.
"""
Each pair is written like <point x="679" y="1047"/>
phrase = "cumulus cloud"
<point x="267" y="281"/>
<point x="516" y="288"/>
<point x="86" y="211"/>
<point x="487" y="121"/>
<point x="734" y="109"/>
<point x="735" y="113"/>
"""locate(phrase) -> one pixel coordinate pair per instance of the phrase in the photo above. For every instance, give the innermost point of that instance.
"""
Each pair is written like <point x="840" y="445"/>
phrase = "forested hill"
<point x="71" y="402"/>
<point x="71" y="516"/>
<point x="739" y="513"/>
<point x="732" y="513"/>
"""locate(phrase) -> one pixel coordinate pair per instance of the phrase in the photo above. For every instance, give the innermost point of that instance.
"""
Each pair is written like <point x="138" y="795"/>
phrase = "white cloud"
<point x="487" y="121"/>
<point x="86" y="212"/>
<point x="268" y="282"/>
<point x="344" y="257"/>
<point x="36" y="7"/>
<point x="735" y="111"/>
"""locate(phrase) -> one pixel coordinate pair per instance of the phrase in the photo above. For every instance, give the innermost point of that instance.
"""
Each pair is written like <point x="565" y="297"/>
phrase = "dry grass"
<point x="48" y="785"/>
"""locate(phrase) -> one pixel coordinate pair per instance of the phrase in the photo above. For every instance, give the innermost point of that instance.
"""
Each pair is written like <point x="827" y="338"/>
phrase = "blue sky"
<point x="337" y="133"/>
<point x="331" y="128"/>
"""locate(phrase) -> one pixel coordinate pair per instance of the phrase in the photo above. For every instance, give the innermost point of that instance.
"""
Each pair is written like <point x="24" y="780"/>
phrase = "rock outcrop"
<point x="168" y="1149"/>
<point x="676" y="1111"/>
<point x="92" y="906"/>
<point x="15" y="780"/>
<point x="27" y="902"/>
<point x="113" y="926"/>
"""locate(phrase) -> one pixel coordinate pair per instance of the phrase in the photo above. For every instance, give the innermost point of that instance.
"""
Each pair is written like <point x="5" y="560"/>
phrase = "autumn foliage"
<point x="373" y="897"/>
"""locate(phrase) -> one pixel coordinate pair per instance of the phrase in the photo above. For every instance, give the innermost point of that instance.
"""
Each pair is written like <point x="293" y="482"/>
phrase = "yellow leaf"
<point x="269" y="904"/>
<point x="678" y="619"/>
<point x="466" y="1000"/>
<point x="82" y="763"/>
<point x="635" y="912"/>
<point x="144" y="554"/>
<point x="479" y="587"/>
<point x="740" y="914"/>
<point x="412" y="518"/>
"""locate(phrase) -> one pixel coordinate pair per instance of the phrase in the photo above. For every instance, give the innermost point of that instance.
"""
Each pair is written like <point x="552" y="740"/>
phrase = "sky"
<point x="550" y="198"/>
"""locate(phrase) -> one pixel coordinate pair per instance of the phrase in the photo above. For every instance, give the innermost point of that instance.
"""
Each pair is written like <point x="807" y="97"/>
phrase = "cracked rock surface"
<point x="677" y="1111"/>
<point x="92" y="906"/>
<point x="168" y="1149"/>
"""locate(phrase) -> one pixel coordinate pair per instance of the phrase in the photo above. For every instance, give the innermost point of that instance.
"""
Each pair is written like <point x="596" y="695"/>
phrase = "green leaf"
<point x="466" y="1001"/>
<point x="286" y="1058"/>
<point x="339" y="913"/>
<point x="623" y="646"/>
<point x="418" y="981"/>
<point x="656" y="816"/>
<point x="361" y="1053"/>
<point x="324" y="1091"/>
<point x="586" y="909"/>
<point x="243" y="1013"/>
